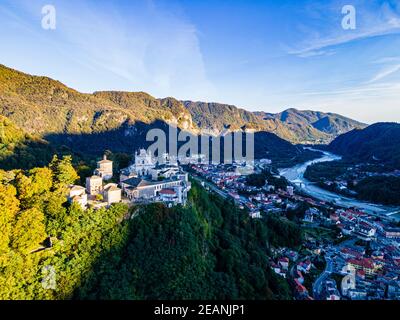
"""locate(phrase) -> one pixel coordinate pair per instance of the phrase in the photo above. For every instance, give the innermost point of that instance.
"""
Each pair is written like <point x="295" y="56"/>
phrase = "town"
<point x="347" y="253"/>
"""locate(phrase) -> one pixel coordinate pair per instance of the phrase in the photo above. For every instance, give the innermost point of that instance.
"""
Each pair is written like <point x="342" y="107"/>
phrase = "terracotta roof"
<point x="365" y="263"/>
<point x="167" y="191"/>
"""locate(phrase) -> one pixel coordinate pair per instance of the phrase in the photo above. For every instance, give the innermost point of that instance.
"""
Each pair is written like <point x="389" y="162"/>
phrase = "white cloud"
<point x="315" y="53"/>
<point x="146" y="47"/>
<point x="387" y="71"/>
<point x="371" y="23"/>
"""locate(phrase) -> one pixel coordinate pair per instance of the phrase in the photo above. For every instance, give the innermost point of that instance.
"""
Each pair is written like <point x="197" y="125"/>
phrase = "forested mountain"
<point x="19" y="149"/>
<point x="377" y="143"/>
<point x="312" y="126"/>
<point x="216" y="116"/>
<point x="292" y="125"/>
<point x="45" y="110"/>
<point x="44" y="106"/>
<point x="209" y="249"/>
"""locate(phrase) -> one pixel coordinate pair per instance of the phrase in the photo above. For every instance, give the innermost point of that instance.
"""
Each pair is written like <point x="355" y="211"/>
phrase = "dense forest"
<point x="378" y="188"/>
<point x="259" y="179"/>
<point x="207" y="250"/>
<point x="43" y="106"/>
<point x="377" y="143"/>
<point x="42" y="235"/>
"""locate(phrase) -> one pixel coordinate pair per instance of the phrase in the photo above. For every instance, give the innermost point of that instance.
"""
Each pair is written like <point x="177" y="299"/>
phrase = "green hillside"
<point x="377" y="143"/>
<point x="44" y="106"/>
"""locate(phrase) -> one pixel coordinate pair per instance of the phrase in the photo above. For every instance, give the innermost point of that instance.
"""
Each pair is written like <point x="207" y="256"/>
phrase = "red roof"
<point x="351" y="252"/>
<point x="365" y="263"/>
<point x="167" y="191"/>
<point x="361" y="273"/>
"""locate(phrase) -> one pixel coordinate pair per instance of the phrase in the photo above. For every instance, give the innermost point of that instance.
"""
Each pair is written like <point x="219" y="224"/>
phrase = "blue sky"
<point x="260" y="55"/>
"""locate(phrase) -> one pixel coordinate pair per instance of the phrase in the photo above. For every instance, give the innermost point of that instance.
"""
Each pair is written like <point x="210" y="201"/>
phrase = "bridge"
<point x="298" y="183"/>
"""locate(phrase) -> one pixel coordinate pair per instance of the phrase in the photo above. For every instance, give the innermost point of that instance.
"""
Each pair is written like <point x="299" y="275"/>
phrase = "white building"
<point x="255" y="214"/>
<point x="349" y="280"/>
<point x="94" y="185"/>
<point x="146" y="179"/>
<point x="144" y="162"/>
<point x="163" y="171"/>
<point x="139" y="189"/>
<point x="77" y="194"/>
<point x="111" y="193"/>
<point x="104" y="169"/>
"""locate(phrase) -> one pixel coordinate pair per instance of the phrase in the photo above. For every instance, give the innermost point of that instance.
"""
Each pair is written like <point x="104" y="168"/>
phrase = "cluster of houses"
<point x="301" y="268"/>
<point x="363" y="226"/>
<point x="146" y="180"/>
<point x="370" y="276"/>
<point x="283" y="258"/>
<point x="371" y="268"/>
<point x="231" y="179"/>
<point x="364" y="265"/>
<point x="287" y="264"/>
<point x="98" y="192"/>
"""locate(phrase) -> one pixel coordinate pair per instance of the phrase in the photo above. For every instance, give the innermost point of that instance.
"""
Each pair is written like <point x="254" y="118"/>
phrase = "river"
<point x="296" y="175"/>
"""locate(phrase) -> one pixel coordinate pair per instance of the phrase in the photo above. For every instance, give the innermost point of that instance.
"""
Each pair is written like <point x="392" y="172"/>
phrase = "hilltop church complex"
<point x="149" y="180"/>
<point x="146" y="180"/>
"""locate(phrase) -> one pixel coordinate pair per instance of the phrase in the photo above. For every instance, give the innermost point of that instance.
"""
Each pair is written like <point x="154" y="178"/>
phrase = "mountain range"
<point x="296" y="126"/>
<point x="43" y="106"/>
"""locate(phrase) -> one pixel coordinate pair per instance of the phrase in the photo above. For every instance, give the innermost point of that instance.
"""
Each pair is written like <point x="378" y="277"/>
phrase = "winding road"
<point x="317" y="286"/>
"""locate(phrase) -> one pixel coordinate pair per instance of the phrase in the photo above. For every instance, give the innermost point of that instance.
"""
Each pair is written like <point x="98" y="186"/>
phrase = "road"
<point x="212" y="187"/>
<point x="317" y="286"/>
<point x="329" y="268"/>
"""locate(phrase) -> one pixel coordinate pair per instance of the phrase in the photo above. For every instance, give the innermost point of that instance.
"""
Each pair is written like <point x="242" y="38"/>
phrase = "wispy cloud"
<point x="370" y="23"/>
<point x="315" y="53"/>
<point x="388" y="88"/>
<point x="385" y="72"/>
<point x="157" y="49"/>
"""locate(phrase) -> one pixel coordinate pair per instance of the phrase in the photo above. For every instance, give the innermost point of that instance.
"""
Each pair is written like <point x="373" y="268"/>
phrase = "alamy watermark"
<point x="226" y="147"/>
<point x="349" y="21"/>
<point x="49" y="278"/>
<point x="49" y="19"/>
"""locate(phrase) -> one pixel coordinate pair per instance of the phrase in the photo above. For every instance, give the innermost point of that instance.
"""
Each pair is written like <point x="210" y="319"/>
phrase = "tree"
<point x="25" y="191"/>
<point x="31" y="188"/>
<point x="9" y="206"/>
<point x="64" y="172"/>
<point x="29" y="231"/>
<point x="42" y="180"/>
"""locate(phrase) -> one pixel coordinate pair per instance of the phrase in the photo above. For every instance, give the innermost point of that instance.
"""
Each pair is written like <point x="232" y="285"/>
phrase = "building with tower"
<point x="104" y="169"/>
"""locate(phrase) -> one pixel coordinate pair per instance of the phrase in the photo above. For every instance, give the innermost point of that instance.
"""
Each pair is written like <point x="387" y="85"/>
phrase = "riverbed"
<point x="296" y="175"/>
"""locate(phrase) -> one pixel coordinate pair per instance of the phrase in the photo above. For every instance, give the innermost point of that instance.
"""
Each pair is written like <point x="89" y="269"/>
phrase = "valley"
<point x="261" y="229"/>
